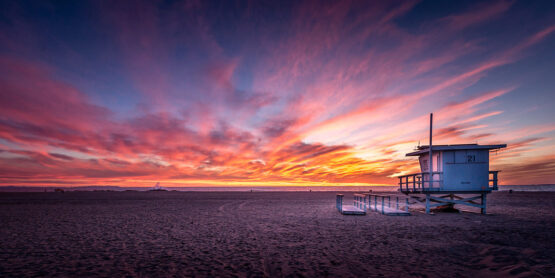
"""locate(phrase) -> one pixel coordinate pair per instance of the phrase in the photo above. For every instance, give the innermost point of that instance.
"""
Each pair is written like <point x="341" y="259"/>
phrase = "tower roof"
<point x="425" y="149"/>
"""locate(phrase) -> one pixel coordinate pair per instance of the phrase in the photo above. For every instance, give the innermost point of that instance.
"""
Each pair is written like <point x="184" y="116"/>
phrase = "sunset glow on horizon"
<point x="270" y="93"/>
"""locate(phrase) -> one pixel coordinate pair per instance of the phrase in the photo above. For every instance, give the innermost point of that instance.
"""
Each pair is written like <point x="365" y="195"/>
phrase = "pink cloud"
<point x="478" y="14"/>
<point x="335" y="96"/>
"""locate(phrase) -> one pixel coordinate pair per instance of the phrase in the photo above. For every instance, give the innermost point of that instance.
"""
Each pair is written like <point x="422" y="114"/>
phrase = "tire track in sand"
<point x="240" y="212"/>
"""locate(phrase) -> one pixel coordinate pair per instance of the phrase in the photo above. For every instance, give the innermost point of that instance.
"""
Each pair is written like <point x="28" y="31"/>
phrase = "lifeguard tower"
<point x="453" y="170"/>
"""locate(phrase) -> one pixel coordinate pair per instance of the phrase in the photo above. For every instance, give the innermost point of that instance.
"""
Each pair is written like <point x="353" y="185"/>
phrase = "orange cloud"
<point x="335" y="94"/>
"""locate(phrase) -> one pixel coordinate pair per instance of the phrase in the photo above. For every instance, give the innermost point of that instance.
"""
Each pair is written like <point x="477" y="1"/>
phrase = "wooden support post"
<point x="397" y="206"/>
<point x="383" y="198"/>
<point x="483" y="210"/>
<point x="414" y="184"/>
<point x="389" y="201"/>
<point x="375" y="202"/>
<point x="365" y="196"/>
<point x="339" y="202"/>
<point x="427" y="203"/>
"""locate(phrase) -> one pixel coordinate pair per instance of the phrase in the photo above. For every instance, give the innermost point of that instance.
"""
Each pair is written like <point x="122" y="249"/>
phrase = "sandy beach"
<point x="267" y="234"/>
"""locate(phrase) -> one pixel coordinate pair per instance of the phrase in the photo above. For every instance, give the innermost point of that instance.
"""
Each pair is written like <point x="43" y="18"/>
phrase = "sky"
<point x="252" y="93"/>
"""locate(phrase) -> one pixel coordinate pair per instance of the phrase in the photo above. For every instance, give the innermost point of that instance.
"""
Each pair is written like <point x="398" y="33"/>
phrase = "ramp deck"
<point x="347" y="209"/>
<point x="397" y="212"/>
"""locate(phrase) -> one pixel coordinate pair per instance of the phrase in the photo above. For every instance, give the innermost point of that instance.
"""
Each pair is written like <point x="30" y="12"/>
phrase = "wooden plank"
<point x="347" y="209"/>
<point x="466" y="202"/>
<point x="392" y="211"/>
<point x="382" y="195"/>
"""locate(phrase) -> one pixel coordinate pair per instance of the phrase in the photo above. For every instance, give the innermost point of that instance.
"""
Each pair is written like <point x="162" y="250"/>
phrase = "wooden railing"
<point x="417" y="182"/>
<point x="339" y="202"/>
<point x="360" y="201"/>
<point x="493" y="180"/>
<point x="383" y="203"/>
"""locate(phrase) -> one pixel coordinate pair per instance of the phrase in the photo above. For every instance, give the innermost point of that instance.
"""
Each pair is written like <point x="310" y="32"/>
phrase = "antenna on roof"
<point x="430" y="147"/>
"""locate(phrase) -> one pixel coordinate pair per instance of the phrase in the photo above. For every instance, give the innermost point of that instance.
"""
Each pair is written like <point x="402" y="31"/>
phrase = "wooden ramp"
<point x="388" y="204"/>
<point x="346" y="209"/>
<point x="397" y="212"/>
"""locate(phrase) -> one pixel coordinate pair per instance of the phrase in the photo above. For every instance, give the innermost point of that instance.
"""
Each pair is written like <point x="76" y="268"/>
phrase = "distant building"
<point x="157" y="187"/>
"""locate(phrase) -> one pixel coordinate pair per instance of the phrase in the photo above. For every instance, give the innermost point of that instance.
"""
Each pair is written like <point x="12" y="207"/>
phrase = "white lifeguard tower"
<point x="453" y="170"/>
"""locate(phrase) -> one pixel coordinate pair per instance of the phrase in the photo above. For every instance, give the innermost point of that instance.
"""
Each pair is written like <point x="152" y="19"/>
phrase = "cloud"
<point x="327" y="93"/>
<point x="61" y="156"/>
<point x="539" y="170"/>
<point x="477" y="14"/>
